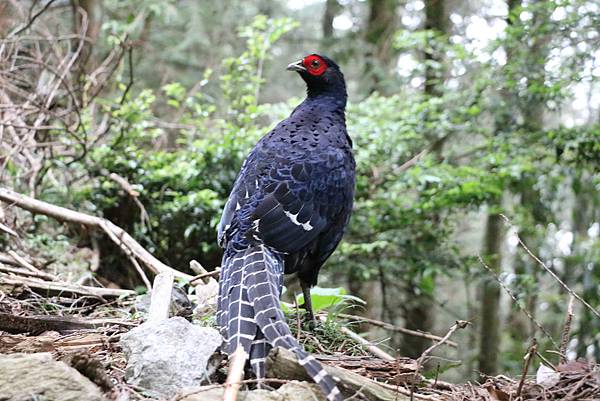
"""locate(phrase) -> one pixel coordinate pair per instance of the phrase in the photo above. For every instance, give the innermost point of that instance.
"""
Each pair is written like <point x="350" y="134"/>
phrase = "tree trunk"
<point x="490" y="298"/>
<point x="436" y="19"/>
<point x="90" y="13"/>
<point x="533" y="113"/>
<point x="489" y="339"/>
<point x="418" y="312"/>
<point x="381" y="25"/>
<point x="331" y="8"/>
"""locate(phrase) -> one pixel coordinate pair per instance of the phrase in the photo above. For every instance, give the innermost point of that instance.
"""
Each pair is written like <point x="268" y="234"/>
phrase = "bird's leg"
<point x="308" y="303"/>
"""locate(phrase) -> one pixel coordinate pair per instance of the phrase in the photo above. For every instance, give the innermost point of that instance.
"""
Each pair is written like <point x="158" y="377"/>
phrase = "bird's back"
<point x="294" y="192"/>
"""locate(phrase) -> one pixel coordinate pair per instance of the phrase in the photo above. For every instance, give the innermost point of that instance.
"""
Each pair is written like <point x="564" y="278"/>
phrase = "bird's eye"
<point x="315" y="63"/>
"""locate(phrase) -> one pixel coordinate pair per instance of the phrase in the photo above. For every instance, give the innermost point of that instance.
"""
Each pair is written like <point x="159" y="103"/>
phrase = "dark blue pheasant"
<point x="286" y="214"/>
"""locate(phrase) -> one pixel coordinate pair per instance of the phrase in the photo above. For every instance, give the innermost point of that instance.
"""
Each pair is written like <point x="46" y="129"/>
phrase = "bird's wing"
<point x="301" y="200"/>
<point x="287" y="202"/>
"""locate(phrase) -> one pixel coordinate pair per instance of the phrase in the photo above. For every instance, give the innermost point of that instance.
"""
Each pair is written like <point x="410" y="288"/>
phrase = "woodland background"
<point x="475" y="126"/>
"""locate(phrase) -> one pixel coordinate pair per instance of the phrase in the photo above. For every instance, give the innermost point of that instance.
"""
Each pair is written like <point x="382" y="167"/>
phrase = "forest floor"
<point x="84" y="332"/>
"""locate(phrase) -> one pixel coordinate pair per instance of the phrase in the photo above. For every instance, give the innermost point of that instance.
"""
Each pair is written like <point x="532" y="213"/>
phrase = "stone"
<point x="168" y="356"/>
<point x="38" y="376"/>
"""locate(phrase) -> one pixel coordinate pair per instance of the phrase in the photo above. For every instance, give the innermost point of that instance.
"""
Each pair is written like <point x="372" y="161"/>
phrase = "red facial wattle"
<point x="314" y="64"/>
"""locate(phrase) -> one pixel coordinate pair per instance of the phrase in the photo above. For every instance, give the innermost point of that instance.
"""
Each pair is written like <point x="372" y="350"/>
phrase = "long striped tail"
<point x="250" y="314"/>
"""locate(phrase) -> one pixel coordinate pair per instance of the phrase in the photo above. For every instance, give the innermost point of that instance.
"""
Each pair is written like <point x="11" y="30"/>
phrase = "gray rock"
<point x="38" y="376"/>
<point x="169" y="355"/>
<point x="292" y="391"/>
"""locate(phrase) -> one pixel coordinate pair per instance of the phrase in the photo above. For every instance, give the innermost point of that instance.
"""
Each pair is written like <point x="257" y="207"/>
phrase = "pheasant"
<point x="287" y="212"/>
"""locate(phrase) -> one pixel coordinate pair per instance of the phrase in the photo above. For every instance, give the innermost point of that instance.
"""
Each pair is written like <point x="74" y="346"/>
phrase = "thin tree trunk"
<point x="381" y="25"/>
<point x="90" y="13"/>
<point x="489" y="325"/>
<point x="331" y="8"/>
<point x="418" y="312"/>
<point x="436" y="19"/>
<point x="533" y="113"/>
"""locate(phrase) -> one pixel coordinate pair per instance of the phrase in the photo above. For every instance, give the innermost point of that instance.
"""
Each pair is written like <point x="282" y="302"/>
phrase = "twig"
<point x="32" y="19"/>
<point x="412" y="161"/>
<point x="402" y="330"/>
<point x="528" y="357"/>
<point x="545" y="361"/>
<point x="130" y="83"/>
<point x="8" y="230"/>
<point x="141" y="272"/>
<point x="128" y="188"/>
<point x="62" y="287"/>
<point x="375" y="350"/>
<point x="160" y="300"/>
<point x="460" y="324"/>
<point x="26" y="272"/>
<point x="23" y="262"/>
<point x="236" y="374"/>
<point x="565" y="287"/>
<point x="298" y="326"/>
<point x="564" y="340"/>
<point x="516" y="301"/>
<point x="9" y="260"/>
<point x="401" y="390"/>
<point x="204" y="275"/>
<point x="126" y="241"/>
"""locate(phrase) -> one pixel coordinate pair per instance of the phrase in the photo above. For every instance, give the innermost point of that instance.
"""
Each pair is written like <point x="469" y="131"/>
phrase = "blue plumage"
<point x="286" y="213"/>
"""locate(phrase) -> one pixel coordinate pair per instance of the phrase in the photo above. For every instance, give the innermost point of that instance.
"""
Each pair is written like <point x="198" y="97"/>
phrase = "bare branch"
<point x="122" y="238"/>
<point x="554" y="276"/>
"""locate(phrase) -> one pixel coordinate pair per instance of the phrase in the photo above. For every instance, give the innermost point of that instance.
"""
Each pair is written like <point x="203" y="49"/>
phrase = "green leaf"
<point x="323" y="298"/>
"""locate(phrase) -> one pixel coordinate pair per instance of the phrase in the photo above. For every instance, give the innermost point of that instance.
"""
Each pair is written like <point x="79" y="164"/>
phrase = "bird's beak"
<point x="296" y="66"/>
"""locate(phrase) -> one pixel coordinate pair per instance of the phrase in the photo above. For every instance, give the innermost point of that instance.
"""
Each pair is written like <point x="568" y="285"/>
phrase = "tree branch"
<point x="116" y="233"/>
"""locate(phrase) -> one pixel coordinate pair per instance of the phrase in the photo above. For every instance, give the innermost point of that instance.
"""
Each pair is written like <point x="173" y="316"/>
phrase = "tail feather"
<point x="251" y="315"/>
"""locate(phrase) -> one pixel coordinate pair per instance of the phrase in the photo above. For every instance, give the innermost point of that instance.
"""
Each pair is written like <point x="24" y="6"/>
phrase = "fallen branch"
<point x="7" y="259"/>
<point x="283" y="364"/>
<point x="372" y="348"/>
<point x="38" y="324"/>
<point x="400" y="372"/>
<point x="54" y="287"/>
<point x="116" y="233"/>
<point x="23" y="262"/>
<point x="197" y="268"/>
<point x="8" y="230"/>
<point x="402" y="330"/>
<point x="24" y="272"/>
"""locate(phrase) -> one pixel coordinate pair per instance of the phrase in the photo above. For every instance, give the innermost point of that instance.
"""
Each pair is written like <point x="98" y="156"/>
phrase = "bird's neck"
<point x="331" y="101"/>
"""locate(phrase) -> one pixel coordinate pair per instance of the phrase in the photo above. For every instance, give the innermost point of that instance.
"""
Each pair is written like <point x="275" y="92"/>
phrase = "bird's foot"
<point x="308" y="319"/>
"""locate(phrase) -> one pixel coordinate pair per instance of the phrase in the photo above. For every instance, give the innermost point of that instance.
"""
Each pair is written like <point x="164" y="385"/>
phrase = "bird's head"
<point x="321" y="74"/>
